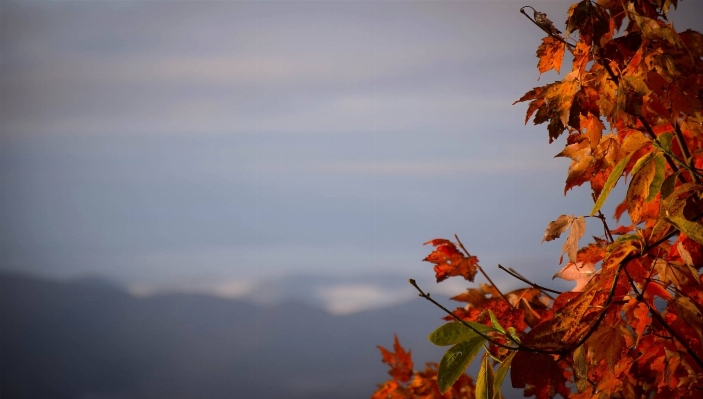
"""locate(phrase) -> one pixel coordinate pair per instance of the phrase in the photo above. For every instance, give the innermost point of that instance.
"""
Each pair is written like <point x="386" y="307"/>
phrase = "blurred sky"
<point x="225" y="143"/>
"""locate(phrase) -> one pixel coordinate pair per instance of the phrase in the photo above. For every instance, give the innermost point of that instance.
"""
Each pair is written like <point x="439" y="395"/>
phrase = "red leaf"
<point x="449" y="262"/>
<point x="538" y="370"/>
<point x="400" y="362"/>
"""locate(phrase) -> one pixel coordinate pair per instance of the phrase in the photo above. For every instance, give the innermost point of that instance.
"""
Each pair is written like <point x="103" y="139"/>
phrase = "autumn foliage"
<point x="630" y="113"/>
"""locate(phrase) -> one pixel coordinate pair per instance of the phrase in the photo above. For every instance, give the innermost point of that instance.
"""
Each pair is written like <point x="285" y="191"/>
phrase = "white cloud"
<point x="222" y="289"/>
<point x="351" y="298"/>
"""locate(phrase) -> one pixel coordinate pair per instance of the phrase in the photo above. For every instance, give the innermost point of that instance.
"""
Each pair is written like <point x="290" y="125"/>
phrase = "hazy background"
<point x="271" y="153"/>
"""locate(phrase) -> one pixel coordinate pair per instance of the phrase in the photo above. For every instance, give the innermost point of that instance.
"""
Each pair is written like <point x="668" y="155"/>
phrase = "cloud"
<point x="229" y="289"/>
<point x="351" y="298"/>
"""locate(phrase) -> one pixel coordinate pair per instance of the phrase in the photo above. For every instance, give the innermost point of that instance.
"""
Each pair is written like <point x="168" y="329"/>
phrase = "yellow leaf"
<point x="638" y="191"/>
<point x="550" y="54"/>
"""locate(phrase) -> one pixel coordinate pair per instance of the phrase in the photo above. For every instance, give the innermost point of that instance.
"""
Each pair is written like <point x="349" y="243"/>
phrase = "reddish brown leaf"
<point x="538" y="370"/>
<point x="449" y="262"/>
<point x="608" y="342"/>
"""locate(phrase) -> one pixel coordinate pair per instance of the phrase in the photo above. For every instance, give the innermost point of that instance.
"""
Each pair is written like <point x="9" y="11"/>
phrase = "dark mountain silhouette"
<point x="91" y="339"/>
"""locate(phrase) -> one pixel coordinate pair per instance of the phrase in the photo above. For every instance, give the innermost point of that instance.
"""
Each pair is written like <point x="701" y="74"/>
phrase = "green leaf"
<point x="627" y="237"/>
<point x="694" y="230"/>
<point x="455" y="332"/>
<point x="580" y="368"/>
<point x="502" y="372"/>
<point x="664" y="141"/>
<point x="513" y="333"/>
<point x="641" y="163"/>
<point x="610" y="183"/>
<point x="669" y="184"/>
<point x="456" y="360"/>
<point x="658" y="180"/>
<point x="495" y="322"/>
<point x="486" y="378"/>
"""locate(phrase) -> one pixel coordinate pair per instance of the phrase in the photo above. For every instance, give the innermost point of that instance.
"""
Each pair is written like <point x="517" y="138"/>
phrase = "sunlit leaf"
<point x="455" y="332"/>
<point x="485" y="381"/>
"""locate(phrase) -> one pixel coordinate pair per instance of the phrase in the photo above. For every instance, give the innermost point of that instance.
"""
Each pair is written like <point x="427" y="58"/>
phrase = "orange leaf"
<point x="550" y="54"/>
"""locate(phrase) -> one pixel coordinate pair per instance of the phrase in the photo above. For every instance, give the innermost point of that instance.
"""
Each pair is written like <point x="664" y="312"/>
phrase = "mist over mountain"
<point x="91" y="339"/>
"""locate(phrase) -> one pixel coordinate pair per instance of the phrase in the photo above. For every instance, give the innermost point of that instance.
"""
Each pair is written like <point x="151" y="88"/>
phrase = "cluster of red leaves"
<point x="632" y="106"/>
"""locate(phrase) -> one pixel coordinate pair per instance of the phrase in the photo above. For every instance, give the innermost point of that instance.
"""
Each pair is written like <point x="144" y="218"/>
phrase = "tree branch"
<point x="518" y="346"/>
<point x="524" y="280"/>
<point x="627" y="259"/>
<point x="561" y="39"/>
<point x="661" y="320"/>
<point x="684" y="151"/>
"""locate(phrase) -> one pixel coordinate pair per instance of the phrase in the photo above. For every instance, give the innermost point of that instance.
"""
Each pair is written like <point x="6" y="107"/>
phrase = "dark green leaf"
<point x="664" y="140"/>
<point x="495" y="322"/>
<point x="455" y="362"/>
<point x="669" y="184"/>
<point x="660" y="169"/>
<point x="455" y="332"/>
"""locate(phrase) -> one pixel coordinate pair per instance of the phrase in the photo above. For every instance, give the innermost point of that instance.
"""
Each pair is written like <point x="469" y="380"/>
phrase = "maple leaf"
<point x="400" y="362"/>
<point x="450" y="262"/>
<point x="477" y="297"/>
<point x="578" y="229"/>
<point x="580" y="273"/>
<point x="550" y="54"/>
<point x="608" y="342"/>
<point x="593" y="252"/>
<point x="537" y="370"/>
<point x="557" y="227"/>
<point x="637" y="315"/>
<point x="638" y="191"/>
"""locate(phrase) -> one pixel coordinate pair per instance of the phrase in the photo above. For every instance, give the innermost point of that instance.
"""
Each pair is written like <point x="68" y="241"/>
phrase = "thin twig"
<point x="605" y="226"/>
<point x="661" y="320"/>
<point x="600" y="216"/>
<point x="524" y="280"/>
<point x="518" y="346"/>
<point x="484" y="273"/>
<point x="684" y="151"/>
<point x="561" y="39"/>
<point x="623" y="262"/>
<point x="651" y="270"/>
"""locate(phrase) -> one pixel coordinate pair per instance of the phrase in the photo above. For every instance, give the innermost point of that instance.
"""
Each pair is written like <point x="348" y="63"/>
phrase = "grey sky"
<point x="154" y="142"/>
